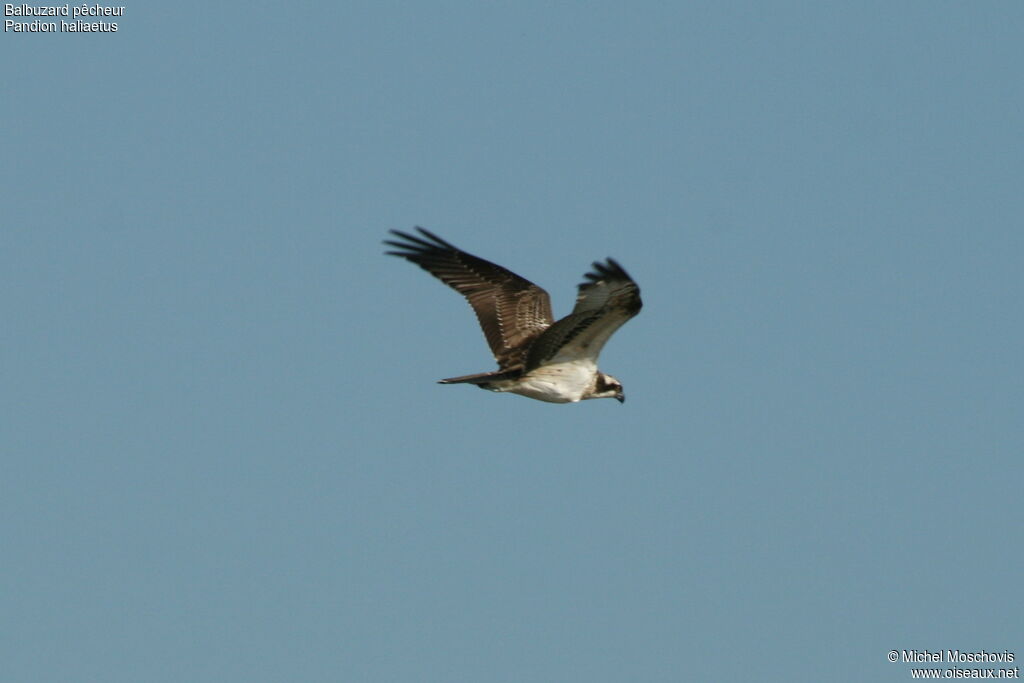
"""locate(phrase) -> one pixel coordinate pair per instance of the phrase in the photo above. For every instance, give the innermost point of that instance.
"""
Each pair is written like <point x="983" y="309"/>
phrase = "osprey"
<point x="537" y="357"/>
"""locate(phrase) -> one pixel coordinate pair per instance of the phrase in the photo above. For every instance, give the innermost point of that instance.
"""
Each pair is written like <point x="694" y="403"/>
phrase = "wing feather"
<point x="605" y="302"/>
<point x="511" y="310"/>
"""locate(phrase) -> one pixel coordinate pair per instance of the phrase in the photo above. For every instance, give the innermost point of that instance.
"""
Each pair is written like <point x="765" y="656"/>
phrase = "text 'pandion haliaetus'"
<point x="537" y="357"/>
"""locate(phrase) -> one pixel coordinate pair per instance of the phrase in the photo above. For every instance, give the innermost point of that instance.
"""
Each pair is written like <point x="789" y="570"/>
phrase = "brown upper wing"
<point x="511" y="310"/>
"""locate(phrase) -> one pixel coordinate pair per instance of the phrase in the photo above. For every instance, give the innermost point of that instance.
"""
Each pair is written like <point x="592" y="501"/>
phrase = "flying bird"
<point x="537" y="356"/>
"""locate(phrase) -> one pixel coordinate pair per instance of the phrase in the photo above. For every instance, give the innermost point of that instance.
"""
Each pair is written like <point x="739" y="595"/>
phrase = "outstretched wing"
<point x="605" y="302"/>
<point x="511" y="309"/>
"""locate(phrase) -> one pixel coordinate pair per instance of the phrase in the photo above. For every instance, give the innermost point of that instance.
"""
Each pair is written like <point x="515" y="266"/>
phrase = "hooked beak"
<point x="620" y="397"/>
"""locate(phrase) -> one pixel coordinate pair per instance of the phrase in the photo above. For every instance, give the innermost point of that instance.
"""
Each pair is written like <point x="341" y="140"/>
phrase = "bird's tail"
<point x="481" y="378"/>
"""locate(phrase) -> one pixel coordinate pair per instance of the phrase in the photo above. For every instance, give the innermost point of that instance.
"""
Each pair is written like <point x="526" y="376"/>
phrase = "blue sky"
<point x="225" y="456"/>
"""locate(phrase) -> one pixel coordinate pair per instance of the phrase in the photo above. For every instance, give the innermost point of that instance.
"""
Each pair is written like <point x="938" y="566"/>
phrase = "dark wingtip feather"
<point x="616" y="266"/>
<point x="414" y="245"/>
<point x="436" y="239"/>
<point x="609" y="269"/>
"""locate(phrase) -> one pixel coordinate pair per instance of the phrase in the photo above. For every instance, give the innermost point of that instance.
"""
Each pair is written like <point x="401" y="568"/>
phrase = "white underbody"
<point x="564" y="382"/>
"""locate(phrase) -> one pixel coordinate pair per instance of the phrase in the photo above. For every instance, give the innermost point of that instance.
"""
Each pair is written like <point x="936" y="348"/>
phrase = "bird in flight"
<point x="537" y="357"/>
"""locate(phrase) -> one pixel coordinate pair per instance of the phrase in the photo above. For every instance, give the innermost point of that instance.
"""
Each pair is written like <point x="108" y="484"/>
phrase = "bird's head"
<point x="607" y="386"/>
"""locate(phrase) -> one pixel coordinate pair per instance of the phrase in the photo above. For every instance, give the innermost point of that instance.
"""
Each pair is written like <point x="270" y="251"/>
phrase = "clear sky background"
<point x="224" y="453"/>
